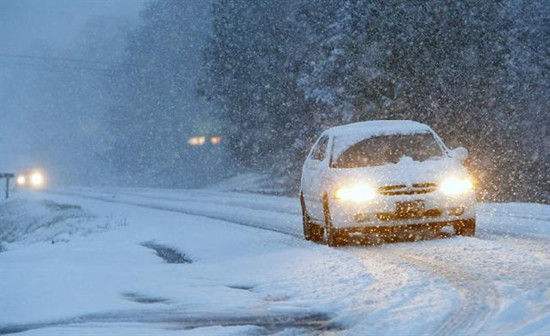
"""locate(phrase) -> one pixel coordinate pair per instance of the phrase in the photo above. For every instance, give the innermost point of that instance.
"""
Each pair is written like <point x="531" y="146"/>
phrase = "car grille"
<point x="402" y="189"/>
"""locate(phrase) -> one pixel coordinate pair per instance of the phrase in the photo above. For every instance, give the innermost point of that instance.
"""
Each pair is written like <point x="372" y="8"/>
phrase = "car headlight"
<point x="21" y="180"/>
<point x="453" y="186"/>
<point x="37" y="179"/>
<point x="356" y="193"/>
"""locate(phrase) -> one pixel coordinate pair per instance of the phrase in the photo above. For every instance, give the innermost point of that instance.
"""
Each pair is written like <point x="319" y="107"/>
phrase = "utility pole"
<point x="7" y="176"/>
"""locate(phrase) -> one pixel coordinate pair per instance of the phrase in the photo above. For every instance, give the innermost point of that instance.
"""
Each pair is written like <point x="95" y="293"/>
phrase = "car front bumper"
<point x="384" y="211"/>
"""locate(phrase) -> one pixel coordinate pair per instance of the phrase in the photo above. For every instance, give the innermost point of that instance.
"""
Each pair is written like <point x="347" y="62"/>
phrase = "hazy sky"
<point x="25" y="23"/>
<point x="55" y="103"/>
<point x="28" y="27"/>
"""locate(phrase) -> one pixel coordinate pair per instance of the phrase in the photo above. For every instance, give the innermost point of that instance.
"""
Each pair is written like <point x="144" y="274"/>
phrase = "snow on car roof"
<point x="350" y="134"/>
<point x="378" y="127"/>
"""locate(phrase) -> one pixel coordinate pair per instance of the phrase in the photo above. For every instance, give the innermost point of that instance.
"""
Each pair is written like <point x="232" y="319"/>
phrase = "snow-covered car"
<point x="381" y="178"/>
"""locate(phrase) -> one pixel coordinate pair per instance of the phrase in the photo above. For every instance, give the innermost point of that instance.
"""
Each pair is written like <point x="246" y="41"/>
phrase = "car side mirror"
<point x="460" y="154"/>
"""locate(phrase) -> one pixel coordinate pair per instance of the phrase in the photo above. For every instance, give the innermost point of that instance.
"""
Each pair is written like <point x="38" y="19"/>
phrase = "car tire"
<point x="316" y="232"/>
<point x="331" y="234"/>
<point x="306" y="221"/>
<point x="466" y="228"/>
<point x="312" y="231"/>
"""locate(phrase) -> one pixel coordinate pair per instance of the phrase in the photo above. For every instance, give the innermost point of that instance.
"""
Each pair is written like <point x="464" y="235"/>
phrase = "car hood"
<point x="406" y="171"/>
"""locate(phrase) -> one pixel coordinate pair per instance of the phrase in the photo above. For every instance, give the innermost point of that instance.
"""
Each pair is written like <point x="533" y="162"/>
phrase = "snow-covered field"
<point x="208" y="262"/>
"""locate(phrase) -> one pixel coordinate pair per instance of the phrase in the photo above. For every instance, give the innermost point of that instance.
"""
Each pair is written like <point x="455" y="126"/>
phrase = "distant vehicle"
<point x="32" y="178"/>
<point x="384" y="177"/>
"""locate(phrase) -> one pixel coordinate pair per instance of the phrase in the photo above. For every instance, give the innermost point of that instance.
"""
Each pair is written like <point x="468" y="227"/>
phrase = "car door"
<point x="315" y="168"/>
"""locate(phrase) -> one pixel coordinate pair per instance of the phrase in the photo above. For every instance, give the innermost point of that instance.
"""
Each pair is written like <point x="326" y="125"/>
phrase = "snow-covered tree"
<point x="474" y="70"/>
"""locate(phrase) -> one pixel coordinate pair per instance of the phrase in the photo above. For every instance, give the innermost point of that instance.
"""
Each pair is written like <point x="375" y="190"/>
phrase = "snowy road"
<point x="248" y="281"/>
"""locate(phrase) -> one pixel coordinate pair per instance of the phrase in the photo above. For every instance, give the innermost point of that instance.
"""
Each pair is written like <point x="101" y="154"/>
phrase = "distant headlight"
<point x="37" y="179"/>
<point x="21" y="180"/>
<point x="453" y="186"/>
<point x="356" y="193"/>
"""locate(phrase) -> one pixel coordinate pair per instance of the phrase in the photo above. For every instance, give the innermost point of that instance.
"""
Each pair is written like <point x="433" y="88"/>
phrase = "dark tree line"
<point x="477" y="71"/>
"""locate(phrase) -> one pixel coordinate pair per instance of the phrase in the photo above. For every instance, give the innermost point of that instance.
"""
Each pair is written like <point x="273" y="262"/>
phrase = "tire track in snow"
<point x="478" y="296"/>
<point x="264" y="221"/>
<point x="487" y="273"/>
<point x="234" y="201"/>
<point x="311" y="322"/>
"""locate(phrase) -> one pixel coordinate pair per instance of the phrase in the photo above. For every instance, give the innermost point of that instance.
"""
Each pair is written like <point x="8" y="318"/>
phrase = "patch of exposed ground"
<point x="241" y="287"/>
<point x="167" y="253"/>
<point x="142" y="298"/>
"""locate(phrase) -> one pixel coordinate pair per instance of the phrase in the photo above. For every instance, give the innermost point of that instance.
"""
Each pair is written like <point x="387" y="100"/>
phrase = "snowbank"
<point x="44" y="220"/>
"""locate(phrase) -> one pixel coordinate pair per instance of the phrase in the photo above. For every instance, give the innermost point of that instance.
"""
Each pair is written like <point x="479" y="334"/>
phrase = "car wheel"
<point x="306" y="221"/>
<point x="466" y="228"/>
<point x="331" y="234"/>
<point x="312" y="231"/>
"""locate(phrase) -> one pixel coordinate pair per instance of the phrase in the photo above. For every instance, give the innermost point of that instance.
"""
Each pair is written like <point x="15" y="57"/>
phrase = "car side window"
<point x="320" y="149"/>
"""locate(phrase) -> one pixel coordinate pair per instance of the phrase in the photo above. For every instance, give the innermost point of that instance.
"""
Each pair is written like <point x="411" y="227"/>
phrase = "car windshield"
<point x="386" y="149"/>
